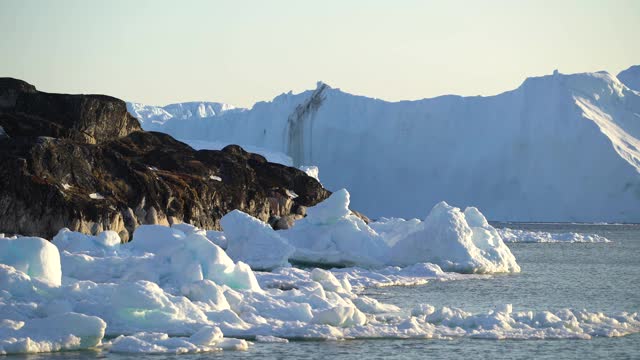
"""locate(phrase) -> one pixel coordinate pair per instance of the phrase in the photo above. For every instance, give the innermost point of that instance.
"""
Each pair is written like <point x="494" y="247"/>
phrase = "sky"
<point x="239" y="52"/>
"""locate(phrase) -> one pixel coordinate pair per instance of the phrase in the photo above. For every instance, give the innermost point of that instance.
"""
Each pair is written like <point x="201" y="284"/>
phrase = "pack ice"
<point x="558" y="148"/>
<point x="175" y="290"/>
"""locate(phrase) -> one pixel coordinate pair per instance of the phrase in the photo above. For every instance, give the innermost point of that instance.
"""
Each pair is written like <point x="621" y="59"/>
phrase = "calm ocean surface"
<point x="596" y="277"/>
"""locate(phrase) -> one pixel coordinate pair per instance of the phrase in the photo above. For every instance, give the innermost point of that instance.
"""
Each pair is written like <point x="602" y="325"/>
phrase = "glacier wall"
<point x="558" y="148"/>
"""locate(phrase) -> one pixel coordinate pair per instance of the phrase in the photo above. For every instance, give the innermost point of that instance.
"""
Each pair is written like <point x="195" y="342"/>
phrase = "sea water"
<point x="592" y="276"/>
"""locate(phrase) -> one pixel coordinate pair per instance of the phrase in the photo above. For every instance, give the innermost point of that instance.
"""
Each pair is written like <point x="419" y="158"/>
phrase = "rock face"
<point x="24" y="111"/>
<point x="82" y="162"/>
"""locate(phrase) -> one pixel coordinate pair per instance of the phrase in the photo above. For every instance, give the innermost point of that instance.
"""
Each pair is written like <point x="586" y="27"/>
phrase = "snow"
<point x="312" y="171"/>
<point x="523" y="236"/>
<point x="96" y="196"/>
<point x="518" y="156"/>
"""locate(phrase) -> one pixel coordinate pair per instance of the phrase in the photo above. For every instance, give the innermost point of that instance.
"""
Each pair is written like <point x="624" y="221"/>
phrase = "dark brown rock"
<point x="81" y="162"/>
<point x="24" y="111"/>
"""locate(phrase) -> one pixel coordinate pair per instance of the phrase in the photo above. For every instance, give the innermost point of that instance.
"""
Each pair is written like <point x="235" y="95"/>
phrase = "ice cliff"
<point x="557" y="148"/>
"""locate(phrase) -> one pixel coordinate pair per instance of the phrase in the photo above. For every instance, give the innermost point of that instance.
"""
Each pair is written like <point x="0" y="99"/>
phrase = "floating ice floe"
<point x="61" y="332"/>
<point x="524" y="236"/>
<point x="207" y="339"/>
<point x="457" y="241"/>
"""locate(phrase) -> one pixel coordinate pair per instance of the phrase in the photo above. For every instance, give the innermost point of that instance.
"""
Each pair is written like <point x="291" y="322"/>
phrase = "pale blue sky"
<point x="240" y="52"/>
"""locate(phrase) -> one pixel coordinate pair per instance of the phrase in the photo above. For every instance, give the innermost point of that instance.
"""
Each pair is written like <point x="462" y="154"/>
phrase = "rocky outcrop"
<point x="82" y="162"/>
<point x="24" y="111"/>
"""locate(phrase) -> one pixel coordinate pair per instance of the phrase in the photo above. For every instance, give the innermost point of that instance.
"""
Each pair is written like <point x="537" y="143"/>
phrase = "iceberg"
<point x="332" y="235"/>
<point x="457" y="241"/>
<point x="518" y="156"/>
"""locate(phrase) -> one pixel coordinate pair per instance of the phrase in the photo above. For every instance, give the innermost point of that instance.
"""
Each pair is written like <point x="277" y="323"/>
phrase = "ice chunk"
<point x="206" y="339"/>
<point x="69" y="331"/>
<point x="332" y="235"/>
<point x="254" y="242"/>
<point x="34" y="256"/>
<point x="16" y="282"/>
<point x="340" y="316"/>
<point x="331" y="210"/>
<point x="187" y="229"/>
<point x="105" y="241"/>
<point x="208" y="292"/>
<point x="515" y="235"/>
<point x="144" y="306"/>
<point x="372" y="306"/>
<point x="218" y="238"/>
<point x="155" y="238"/>
<point x="270" y="339"/>
<point x="456" y="242"/>
<point x="394" y="229"/>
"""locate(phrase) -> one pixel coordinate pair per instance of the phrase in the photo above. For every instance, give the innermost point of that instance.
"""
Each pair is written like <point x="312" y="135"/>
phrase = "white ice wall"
<point x="558" y="148"/>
